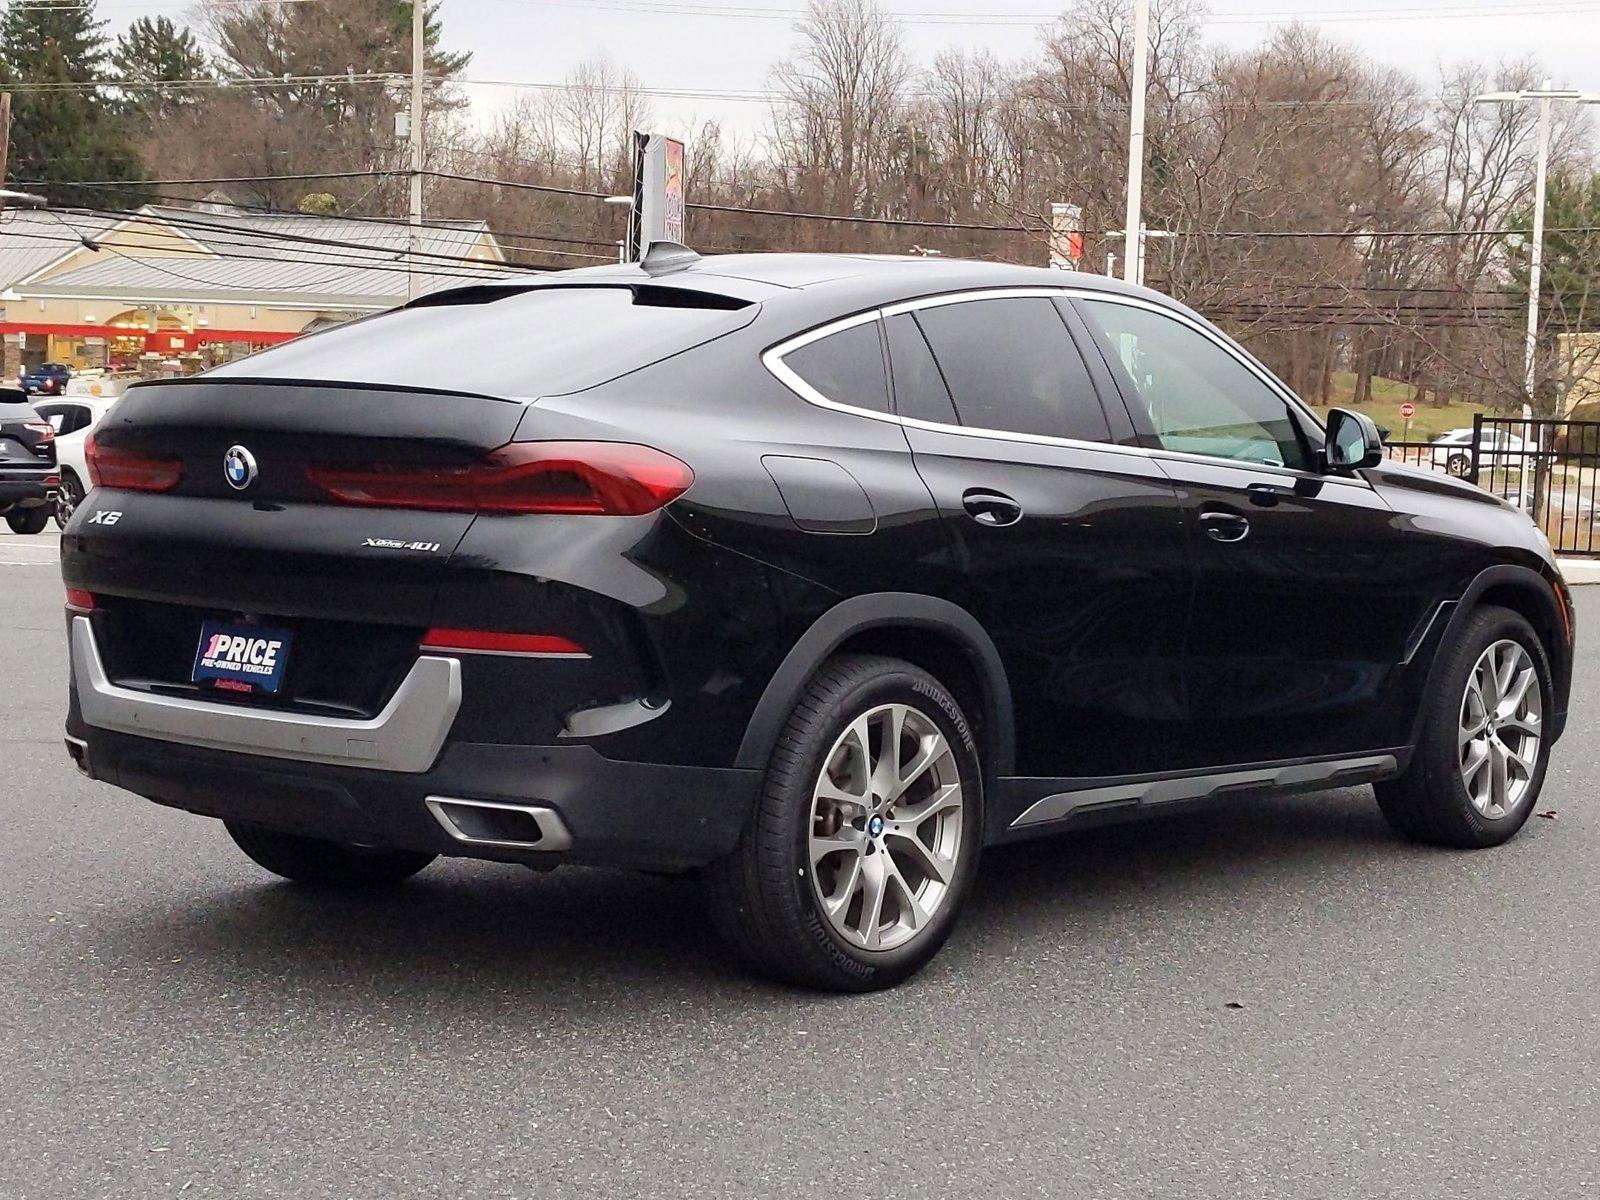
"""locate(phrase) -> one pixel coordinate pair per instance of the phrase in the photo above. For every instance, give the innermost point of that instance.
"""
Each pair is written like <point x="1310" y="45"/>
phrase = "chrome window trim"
<point x="772" y="359"/>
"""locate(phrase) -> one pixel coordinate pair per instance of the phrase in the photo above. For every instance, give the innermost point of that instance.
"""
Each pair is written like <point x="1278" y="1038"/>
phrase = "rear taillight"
<point x="488" y="641"/>
<point x="116" y="469"/>
<point x="578" y="478"/>
<point x="45" y="430"/>
<point x="80" y="601"/>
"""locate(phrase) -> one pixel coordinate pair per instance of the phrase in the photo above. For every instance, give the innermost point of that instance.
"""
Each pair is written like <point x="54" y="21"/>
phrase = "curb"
<point x="1579" y="570"/>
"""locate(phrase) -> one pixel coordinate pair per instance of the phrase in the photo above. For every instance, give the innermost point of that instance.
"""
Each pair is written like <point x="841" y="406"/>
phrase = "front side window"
<point x="1011" y="365"/>
<point x="1201" y="399"/>
<point x="845" y="367"/>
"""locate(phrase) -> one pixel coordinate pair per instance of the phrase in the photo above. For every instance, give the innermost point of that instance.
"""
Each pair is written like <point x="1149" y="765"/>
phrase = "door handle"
<point x="994" y="509"/>
<point x="1223" y="526"/>
<point x="1266" y="495"/>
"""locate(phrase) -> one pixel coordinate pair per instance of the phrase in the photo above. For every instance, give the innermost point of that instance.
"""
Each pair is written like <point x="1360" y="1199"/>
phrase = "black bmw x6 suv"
<point x="811" y="574"/>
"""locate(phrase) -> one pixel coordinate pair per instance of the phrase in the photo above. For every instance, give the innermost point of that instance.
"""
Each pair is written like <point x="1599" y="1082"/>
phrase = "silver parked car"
<point x="1452" y="451"/>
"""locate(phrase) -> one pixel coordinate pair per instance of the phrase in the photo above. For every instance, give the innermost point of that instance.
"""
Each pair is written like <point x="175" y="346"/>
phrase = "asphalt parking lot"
<point x="1273" y="999"/>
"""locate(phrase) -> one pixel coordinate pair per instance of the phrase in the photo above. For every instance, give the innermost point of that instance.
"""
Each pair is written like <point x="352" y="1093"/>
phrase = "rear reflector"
<point x="117" y="469"/>
<point x="482" y="641"/>
<point x="80" y="601"/>
<point x="573" y="478"/>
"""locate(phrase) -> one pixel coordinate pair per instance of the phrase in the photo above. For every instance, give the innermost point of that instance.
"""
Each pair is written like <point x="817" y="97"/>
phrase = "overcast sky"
<point x="541" y="40"/>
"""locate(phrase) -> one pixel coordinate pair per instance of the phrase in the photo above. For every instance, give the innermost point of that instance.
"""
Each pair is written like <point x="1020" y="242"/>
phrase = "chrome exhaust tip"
<point x="78" y="749"/>
<point x="506" y="826"/>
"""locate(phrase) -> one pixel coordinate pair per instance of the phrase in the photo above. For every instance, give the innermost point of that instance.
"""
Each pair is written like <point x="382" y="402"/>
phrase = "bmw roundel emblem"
<point x="239" y="468"/>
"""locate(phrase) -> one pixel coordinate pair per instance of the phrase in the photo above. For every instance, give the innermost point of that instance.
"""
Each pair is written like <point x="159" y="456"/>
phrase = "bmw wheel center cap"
<point x="875" y="826"/>
<point x="239" y="468"/>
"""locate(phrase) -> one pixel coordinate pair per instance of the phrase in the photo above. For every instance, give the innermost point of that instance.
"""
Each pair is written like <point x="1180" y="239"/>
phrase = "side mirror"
<point x="1352" y="441"/>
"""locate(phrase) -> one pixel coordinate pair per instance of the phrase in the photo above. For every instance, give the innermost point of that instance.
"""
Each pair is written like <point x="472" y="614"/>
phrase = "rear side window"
<point x="845" y="367"/>
<point x="1011" y="365"/>
<point x="919" y="390"/>
<point x="542" y="341"/>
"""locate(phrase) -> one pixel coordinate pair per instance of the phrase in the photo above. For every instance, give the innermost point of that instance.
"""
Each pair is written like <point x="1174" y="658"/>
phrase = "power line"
<point x="846" y="218"/>
<point x="1034" y="19"/>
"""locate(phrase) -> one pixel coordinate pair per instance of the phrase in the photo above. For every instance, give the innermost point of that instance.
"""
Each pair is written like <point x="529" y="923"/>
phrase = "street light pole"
<point x="1536" y="258"/>
<point x="1546" y="95"/>
<point x="1131" y="245"/>
<point x="419" y="22"/>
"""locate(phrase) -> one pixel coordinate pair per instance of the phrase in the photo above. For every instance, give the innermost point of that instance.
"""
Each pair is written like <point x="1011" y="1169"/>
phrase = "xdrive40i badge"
<point x="396" y="544"/>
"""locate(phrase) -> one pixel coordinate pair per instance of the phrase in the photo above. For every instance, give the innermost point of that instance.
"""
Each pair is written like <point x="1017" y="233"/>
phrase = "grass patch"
<point x="1387" y="397"/>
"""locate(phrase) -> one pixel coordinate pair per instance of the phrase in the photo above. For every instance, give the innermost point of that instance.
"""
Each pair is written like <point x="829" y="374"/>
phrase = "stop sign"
<point x="1408" y="410"/>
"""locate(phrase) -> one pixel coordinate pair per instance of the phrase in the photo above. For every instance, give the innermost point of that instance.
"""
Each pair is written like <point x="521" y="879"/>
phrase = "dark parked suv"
<point x="814" y="575"/>
<point x="29" y="476"/>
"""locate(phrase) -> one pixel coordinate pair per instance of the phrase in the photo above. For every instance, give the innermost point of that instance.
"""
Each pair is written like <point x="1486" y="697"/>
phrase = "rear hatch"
<point x="213" y="509"/>
<point x="354" y="586"/>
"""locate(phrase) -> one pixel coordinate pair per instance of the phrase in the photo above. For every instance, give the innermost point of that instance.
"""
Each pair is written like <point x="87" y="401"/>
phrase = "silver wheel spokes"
<point x="886" y="826"/>
<point x="1501" y="723"/>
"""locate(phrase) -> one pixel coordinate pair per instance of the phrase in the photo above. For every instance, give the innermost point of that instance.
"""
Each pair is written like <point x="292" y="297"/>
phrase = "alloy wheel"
<point x="68" y="496"/>
<point x="886" y="827"/>
<point x="1500" y="729"/>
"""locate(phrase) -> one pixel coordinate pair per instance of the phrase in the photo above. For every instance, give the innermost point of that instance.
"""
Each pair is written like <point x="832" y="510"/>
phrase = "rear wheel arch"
<point x="937" y="635"/>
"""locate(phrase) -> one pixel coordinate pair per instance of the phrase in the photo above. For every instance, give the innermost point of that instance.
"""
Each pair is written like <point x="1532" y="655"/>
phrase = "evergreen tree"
<point x="153" y="51"/>
<point x="341" y="62"/>
<point x="52" y="58"/>
<point x="1569" y="287"/>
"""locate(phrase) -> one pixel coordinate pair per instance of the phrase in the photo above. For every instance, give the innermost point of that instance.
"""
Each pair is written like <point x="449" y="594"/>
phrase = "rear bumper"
<point x="615" y="813"/>
<point x="405" y="737"/>
<point x="15" y="489"/>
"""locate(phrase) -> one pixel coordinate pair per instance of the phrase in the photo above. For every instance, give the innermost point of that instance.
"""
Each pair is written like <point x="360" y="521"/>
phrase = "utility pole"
<point x="1546" y="95"/>
<point x="1141" y="62"/>
<point x="5" y="154"/>
<point x="419" y="22"/>
<point x="5" y="139"/>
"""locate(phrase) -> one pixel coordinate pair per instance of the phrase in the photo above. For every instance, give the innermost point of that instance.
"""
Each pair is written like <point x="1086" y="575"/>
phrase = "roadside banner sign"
<point x="1066" y="236"/>
<point x="658" y="200"/>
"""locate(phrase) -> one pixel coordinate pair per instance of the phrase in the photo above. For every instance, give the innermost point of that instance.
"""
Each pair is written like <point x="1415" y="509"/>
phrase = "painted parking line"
<point x="39" y="550"/>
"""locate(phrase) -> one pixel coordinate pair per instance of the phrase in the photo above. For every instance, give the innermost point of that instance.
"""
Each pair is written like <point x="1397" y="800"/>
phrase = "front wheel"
<point x="323" y="863"/>
<point x="1458" y="465"/>
<point x="28" y="520"/>
<point x="865" y="840"/>
<point x="1480" y="763"/>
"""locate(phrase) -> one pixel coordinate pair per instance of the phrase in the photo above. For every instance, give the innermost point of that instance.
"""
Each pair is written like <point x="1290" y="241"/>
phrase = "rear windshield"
<point x="535" y="342"/>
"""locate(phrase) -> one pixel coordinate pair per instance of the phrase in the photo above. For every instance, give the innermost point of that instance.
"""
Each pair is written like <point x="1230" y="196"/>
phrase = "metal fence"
<point x="1548" y="467"/>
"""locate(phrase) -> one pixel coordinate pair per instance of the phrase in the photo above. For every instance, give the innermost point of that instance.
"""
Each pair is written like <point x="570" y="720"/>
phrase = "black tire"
<point x="762" y="897"/>
<point x="68" y="496"/>
<point x="1430" y="803"/>
<point x="28" y="520"/>
<point x="325" y="864"/>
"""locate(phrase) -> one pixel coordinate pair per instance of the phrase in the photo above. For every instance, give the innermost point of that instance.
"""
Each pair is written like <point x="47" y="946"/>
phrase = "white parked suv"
<point x="74" y="418"/>
<point x="1453" y="450"/>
